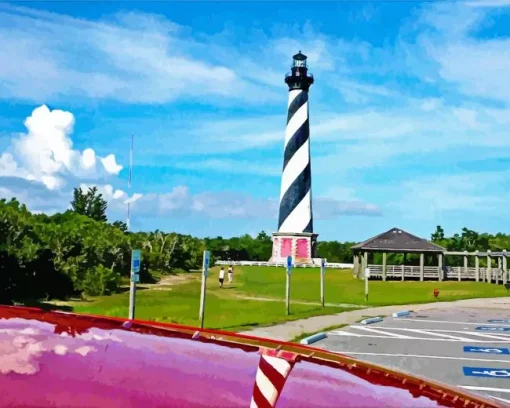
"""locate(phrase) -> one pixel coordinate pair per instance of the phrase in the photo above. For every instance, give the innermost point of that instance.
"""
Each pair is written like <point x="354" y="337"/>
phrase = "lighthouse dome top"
<point x="299" y="60"/>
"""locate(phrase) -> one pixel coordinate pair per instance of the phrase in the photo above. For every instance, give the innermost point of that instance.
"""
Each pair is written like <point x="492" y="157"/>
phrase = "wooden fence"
<point x="459" y="273"/>
<point x="283" y="265"/>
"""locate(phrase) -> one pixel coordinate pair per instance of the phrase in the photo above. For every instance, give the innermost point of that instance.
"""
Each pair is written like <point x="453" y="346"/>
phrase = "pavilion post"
<point x="499" y="270"/>
<point x="440" y="267"/>
<point x="465" y="266"/>
<point x="365" y="263"/>
<point x="489" y="267"/>
<point x="477" y="267"/>
<point x="384" y="266"/>
<point x="505" y="271"/>
<point x="422" y="267"/>
<point x="356" y="264"/>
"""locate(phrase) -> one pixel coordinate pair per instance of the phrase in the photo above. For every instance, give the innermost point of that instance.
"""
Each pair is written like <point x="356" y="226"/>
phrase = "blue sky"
<point x="409" y="112"/>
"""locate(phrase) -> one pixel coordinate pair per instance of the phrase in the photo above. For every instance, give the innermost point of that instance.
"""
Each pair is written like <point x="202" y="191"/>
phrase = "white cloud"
<point x="133" y="58"/>
<point x="478" y="193"/>
<point x="45" y="153"/>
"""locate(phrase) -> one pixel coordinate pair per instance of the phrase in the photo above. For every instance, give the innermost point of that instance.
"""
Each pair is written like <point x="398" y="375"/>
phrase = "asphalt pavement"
<point x="464" y="347"/>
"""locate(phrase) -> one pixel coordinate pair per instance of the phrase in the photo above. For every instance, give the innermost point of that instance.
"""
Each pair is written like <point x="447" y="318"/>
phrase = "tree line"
<point x="79" y="252"/>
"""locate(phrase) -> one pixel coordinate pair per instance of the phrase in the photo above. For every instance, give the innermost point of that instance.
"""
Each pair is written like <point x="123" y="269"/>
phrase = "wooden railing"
<point x="495" y="275"/>
<point x="282" y="264"/>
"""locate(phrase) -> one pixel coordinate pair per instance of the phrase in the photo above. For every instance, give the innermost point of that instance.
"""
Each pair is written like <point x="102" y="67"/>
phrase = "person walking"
<point x="222" y="276"/>
<point x="230" y="271"/>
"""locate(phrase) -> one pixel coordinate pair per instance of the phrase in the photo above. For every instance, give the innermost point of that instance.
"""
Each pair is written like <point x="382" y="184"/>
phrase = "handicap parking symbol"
<point x="487" y="372"/>
<point x="488" y="350"/>
<point x="488" y="328"/>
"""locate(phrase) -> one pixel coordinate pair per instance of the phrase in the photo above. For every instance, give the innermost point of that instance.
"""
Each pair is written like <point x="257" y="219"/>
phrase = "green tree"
<point x="92" y="204"/>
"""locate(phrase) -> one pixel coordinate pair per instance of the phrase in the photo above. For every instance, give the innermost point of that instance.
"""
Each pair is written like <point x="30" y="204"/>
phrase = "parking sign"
<point x="136" y="259"/>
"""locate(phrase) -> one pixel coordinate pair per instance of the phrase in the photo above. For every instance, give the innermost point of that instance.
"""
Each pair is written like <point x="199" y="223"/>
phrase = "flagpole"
<point x="132" y="283"/>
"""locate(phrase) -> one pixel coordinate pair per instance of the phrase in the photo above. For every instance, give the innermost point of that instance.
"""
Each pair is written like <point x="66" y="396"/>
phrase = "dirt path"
<point x="168" y="281"/>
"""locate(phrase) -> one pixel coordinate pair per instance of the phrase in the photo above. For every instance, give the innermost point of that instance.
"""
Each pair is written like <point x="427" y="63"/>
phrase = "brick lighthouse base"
<point x="301" y="246"/>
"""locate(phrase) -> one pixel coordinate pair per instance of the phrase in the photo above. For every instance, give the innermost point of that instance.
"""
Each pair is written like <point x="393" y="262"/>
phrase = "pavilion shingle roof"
<point x="398" y="240"/>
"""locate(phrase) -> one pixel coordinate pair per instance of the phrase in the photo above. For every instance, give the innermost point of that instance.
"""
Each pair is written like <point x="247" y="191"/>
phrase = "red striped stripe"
<point x="259" y="398"/>
<point x="272" y="374"/>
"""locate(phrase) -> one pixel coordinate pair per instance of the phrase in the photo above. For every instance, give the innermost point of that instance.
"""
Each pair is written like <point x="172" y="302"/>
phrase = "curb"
<point x="372" y="320"/>
<point x="312" y="339"/>
<point x="402" y="313"/>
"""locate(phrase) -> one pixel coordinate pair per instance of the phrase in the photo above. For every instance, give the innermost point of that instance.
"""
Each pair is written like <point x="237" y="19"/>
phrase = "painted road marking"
<point x="447" y="321"/>
<point x="487" y="328"/>
<point x="434" y="332"/>
<point x="398" y="336"/>
<point x="500" y="336"/>
<point x="499" y="321"/>
<point x="486" y="372"/>
<point x="359" y="353"/>
<point x="495" y="350"/>
<point x="475" y="388"/>
<point x="431" y="333"/>
<point x="500" y="399"/>
<point x="374" y="336"/>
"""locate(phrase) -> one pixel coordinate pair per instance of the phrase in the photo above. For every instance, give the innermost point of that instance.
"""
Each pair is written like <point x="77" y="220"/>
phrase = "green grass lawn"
<point x="181" y="305"/>
<point x="226" y="309"/>
<point x="341" y="287"/>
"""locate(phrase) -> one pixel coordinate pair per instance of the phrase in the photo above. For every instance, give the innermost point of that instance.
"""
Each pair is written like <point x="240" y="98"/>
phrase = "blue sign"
<point x="323" y="262"/>
<point x="499" y="321"/>
<point x="496" y="329"/>
<point x="136" y="259"/>
<point x="487" y="350"/>
<point x="289" y="264"/>
<point x="135" y="278"/>
<point x="487" y="372"/>
<point x="207" y="257"/>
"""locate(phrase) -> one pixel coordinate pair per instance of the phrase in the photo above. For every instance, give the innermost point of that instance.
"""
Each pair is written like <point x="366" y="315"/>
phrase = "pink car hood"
<point x="56" y="359"/>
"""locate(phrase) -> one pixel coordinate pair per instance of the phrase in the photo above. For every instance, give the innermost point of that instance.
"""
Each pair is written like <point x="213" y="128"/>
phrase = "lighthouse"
<point x="295" y="236"/>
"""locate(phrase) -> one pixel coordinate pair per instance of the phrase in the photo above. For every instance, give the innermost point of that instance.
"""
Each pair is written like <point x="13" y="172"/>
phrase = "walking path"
<point x="290" y="330"/>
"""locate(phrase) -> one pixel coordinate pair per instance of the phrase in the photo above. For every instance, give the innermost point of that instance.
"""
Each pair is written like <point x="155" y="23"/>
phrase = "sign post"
<point x="136" y="260"/>
<point x="367" y="275"/>
<point x="205" y="272"/>
<point x="287" y="286"/>
<point x="323" y="272"/>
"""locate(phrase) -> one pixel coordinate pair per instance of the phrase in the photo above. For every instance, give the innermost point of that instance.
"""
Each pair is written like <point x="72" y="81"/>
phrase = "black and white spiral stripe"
<point x="296" y="189"/>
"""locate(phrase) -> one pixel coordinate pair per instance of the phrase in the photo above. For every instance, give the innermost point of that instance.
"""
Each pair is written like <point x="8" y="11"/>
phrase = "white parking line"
<point x="474" y="388"/>
<point x="432" y="332"/>
<point x="500" y="399"/>
<point x="356" y="353"/>
<point x="350" y="334"/>
<point x="447" y="321"/>
<point x="398" y="336"/>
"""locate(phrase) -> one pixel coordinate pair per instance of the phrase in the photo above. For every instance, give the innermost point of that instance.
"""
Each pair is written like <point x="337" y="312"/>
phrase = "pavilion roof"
<point x="398" y="240"/>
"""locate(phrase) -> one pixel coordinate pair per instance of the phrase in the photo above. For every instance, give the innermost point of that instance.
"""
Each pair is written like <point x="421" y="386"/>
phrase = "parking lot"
<point x="466" y="348"/>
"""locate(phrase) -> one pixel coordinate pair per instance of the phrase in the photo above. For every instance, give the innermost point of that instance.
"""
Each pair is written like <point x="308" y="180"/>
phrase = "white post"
<point x="132" y="295"/>
<point x="205" y="271"/>
<point x="287" y="285"/>
<point x="134" y="278"/>
<point x="323" y="271"/>
<point x="367" y="275"/>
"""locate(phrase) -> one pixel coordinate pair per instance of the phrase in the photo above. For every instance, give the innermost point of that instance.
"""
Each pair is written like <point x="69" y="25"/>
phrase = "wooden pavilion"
<point x="397" y="240"/>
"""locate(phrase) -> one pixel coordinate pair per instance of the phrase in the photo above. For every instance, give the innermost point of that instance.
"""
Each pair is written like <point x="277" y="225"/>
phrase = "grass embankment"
<point x="176" y="299"/>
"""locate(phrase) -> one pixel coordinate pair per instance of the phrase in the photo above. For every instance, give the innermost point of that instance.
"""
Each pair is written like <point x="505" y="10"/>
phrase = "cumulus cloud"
<point x="45" y="152"/>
